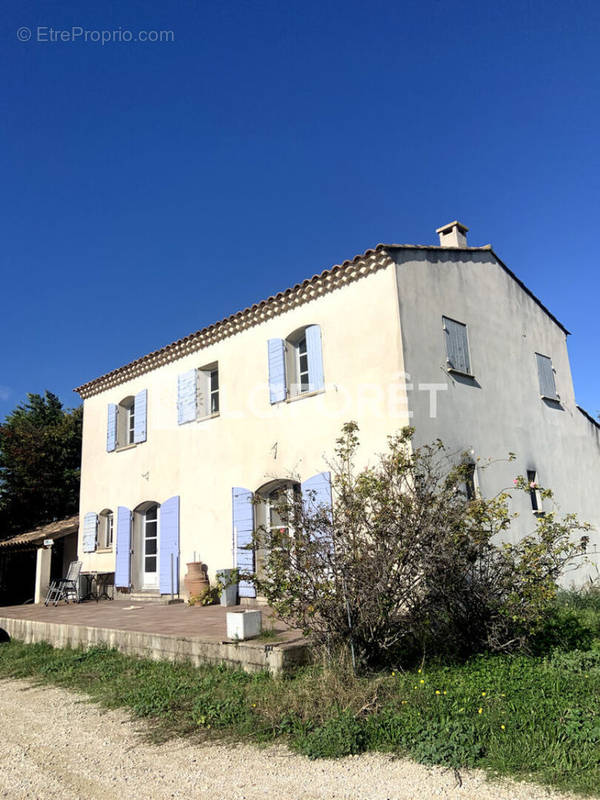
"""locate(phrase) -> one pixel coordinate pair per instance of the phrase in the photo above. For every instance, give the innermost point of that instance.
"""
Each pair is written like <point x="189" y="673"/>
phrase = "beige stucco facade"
<point x="384" y="365"/>
<point x="251" y="441"/>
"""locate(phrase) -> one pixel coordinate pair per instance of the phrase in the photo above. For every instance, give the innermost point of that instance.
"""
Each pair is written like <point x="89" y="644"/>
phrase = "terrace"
<point x="160" y="632"/>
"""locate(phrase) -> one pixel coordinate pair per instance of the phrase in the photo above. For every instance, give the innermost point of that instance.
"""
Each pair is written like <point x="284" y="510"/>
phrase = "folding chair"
<point x="65" y="588"/>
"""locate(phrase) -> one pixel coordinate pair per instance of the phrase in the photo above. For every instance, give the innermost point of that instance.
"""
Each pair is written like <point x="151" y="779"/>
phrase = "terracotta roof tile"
<point x="54" y="530"/>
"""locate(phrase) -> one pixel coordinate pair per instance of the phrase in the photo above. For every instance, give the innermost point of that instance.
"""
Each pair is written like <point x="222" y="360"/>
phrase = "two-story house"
<point x="445" y="338"/>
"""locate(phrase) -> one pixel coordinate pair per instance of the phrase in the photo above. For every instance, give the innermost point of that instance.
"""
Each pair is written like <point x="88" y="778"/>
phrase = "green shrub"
<point x="585" y="662"/>
<point x="342" y="735"/>
<point x="562" y="629"/>
<point x="410" y="560"/>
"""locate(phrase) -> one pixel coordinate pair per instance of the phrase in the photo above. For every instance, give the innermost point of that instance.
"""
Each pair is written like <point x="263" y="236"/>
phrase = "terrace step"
<point x="151" y="597"/>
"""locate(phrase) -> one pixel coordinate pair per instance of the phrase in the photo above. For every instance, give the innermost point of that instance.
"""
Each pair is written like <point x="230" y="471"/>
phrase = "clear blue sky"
<point x="150" y="189"/>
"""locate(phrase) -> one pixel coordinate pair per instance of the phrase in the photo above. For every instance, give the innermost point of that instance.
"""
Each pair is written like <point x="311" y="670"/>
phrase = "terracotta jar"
<point x="196" y="579"/>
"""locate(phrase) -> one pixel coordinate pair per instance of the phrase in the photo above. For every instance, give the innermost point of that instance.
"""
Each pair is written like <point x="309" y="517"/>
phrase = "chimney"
<point x="454" y="234"/>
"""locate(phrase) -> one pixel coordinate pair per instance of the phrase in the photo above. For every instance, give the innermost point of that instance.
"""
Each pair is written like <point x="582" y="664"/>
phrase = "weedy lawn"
<point x="535" y="717"/>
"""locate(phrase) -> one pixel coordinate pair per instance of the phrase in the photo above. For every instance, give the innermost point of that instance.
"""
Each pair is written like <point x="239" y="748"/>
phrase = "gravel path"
<point x="54" y="743"/>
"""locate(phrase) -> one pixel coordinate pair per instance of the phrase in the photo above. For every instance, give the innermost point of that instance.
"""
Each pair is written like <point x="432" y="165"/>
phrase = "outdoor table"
<point x="97" y="585"/>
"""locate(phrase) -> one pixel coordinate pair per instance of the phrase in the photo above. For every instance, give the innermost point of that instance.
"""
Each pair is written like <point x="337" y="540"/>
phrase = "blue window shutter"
<point x="123" y="558"/>
<point x="457" y="345"/>
<point x="243" y="528"/>
<point x="168" y="534"/>
<point x="111" y="428"/>
<point x="316" y="494"/>
<point x="187" y="396"/>
<point x="546" y="376"/>
<point x="314" y="351"/>
<point x="277" y="387"/>
<point x="90" y="531"/>
<point x="139" y="423"/>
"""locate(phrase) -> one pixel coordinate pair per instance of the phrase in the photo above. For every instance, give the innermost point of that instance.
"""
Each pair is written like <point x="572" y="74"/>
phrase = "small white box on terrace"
<point x="243" y="624"/>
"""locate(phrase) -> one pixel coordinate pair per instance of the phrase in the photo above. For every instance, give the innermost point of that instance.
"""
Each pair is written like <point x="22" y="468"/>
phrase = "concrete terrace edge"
<point x="250" y="656"/>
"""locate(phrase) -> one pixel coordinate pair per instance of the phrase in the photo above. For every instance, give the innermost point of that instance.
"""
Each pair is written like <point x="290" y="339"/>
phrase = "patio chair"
<point x="65" y="588"/>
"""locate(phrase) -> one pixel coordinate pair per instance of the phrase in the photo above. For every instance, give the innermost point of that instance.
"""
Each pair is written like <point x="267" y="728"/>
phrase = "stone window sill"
<point x="453" y="371"/>
<point x="302" y="395"/>
<point x="126" y="447"/>
<point x="209" y="416"/>
<point x="555" y="399"/>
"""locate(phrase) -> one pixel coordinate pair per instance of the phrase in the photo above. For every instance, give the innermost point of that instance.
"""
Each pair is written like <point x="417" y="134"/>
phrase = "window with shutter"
<point x="198" y="393"/>
<point x="111" y="430"/>
<point x="546" y="377"/>
<point x="208" y="390"/>
<point x="169" y="546"/>
<point x="277" y="376"/>
<point x="187" y="396"/>
<point x="317" y="497"/>
<point x="90" y="532"/>
<point x="457" y="346"/>
<point x="140" y="411"/>
<point x="243" y="529"/>
<point x="123" y="555"/>
<point x="125" y="422"/>
<point x="304" y="361"/>
<point x="105" y="529"/>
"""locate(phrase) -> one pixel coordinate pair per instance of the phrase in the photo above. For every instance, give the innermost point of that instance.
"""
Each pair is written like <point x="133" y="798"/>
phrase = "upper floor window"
<point x="106" y="529"/>
<point x="457" y="346"/>
<point x="127" y="421"/>
<point x="546" y="377"/>
<point x="213" y="388"/>
<point x="198" y="393"/>
<point x="296" y="364"/>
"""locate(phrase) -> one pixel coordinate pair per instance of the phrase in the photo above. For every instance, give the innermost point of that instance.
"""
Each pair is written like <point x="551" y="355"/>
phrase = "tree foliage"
<point x="409" y="562"/>
<point x="40" y="455"/>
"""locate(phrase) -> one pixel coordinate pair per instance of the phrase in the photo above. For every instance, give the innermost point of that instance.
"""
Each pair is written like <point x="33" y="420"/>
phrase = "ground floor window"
<point x="106" y="529"/>
<point x="151" y="540"/>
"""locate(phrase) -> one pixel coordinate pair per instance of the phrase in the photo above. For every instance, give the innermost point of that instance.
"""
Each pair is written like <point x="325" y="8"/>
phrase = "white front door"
<point x="150" y="548"/>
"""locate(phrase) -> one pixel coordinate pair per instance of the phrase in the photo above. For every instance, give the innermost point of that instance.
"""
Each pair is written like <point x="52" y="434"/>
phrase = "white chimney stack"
<point x="454" y="234"/>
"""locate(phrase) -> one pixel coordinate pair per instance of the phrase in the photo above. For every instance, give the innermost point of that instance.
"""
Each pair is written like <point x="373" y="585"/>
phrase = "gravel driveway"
<point x="53" y="743"/>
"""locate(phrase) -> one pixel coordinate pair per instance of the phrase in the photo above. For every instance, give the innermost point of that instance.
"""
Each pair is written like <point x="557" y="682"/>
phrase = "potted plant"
<point x="227" y="583"/>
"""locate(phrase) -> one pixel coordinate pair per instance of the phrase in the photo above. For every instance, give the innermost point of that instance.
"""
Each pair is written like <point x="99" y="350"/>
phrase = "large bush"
<point x="409" y="562"/>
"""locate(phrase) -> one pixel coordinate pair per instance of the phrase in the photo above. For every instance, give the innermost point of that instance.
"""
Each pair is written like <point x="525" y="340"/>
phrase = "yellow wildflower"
<point x="503" y="727"/>
<point x="445" y="692"/>
<point x="483" y="694"/>
<point x="393" y="673"/>
<point x="480" y="711"/>
<point x="421" y="681"/>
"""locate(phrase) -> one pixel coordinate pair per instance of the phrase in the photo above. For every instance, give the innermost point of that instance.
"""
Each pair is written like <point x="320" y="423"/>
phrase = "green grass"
<point x="530" y="717"/>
